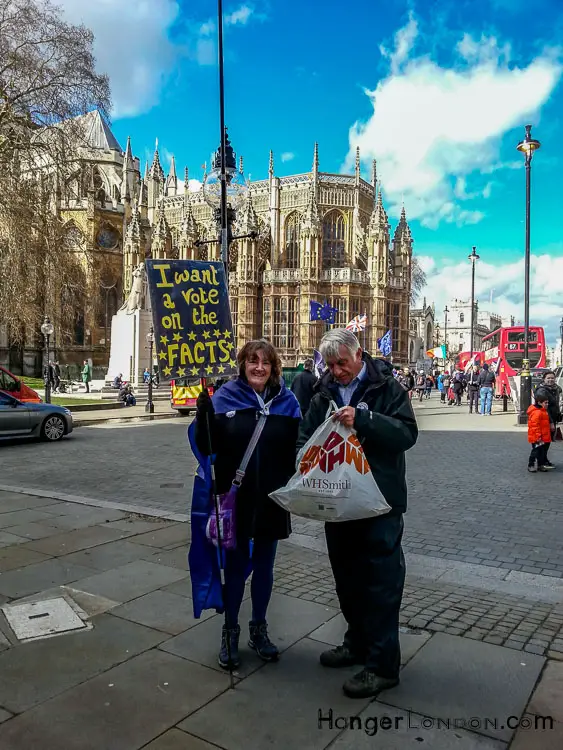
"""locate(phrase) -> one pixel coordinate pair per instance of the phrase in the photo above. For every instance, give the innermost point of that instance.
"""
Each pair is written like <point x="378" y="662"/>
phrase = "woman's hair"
<point x="248" y="352"/>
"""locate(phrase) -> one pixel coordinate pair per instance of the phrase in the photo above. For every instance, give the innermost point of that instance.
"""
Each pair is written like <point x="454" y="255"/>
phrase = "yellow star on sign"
<point x="162" y="355"/>
<point x="209" y="369"/>
<point x="192" y="336"/>
<point x="230" y="345"/>
<point x="181" y="372"/>
<point x="227" y="334"/>
<point x="177" y="336"/>
<point x="164" y="339"/>
<point x="167" y="371"/>
<point x="233" y="363"/>
<point x="220" y="369"/>
<point x="206" y="334"/>
<point x="195" y="371"/>
<point x="217" y="333"/>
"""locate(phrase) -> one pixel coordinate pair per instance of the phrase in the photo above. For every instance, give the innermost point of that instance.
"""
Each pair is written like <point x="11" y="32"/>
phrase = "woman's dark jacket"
<point x="385" y="425"/>
<point x="236" y="411"/>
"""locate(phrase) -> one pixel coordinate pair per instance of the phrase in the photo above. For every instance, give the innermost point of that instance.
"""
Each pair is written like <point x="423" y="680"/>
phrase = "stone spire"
<point x="172" y="180"/>
<point x="316" y="163"/>
<point x="379" y="220"/>
<point x="311" y="225"/>
<point x="156" y="171"/>
<point x="187" y="200"/>
<point x="161" y="230"/>
<point x="248" y="221"/>
<point x="188" y="225"/>
<point x="357" y="169"/>
<point x="374" y="178"/>
<point x="133" y="232"/>
<point x="127" y="175"/>
<point x="271" y="166"/>
<point x="403" y="232"/>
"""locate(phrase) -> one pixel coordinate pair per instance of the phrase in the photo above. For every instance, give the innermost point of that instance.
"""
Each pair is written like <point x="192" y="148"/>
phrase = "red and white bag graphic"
<point x="333" y="481"/>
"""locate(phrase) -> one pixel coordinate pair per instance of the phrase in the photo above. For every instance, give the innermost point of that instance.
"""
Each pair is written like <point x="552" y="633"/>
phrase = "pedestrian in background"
<point x="539" y="433"/>
<point x="553" y="391"/>
<point x="87" y="375"/>
<point x="486" y="385"/>
<point x="303" y="385"/>
<point x="473" y="388"/>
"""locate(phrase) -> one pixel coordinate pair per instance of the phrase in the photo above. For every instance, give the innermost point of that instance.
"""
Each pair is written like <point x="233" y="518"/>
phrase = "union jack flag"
<point x="358" y="323"/>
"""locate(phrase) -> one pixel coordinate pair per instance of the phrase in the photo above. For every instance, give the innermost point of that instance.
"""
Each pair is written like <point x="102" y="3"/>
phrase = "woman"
<point x="86" y="375"/>
<point x="232" y="416"/>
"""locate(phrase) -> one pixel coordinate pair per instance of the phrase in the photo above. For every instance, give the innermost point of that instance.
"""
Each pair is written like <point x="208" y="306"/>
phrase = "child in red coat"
<point x="539" y="433"/>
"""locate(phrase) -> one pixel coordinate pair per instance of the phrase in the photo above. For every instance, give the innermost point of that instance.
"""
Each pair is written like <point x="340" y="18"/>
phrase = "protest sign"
<point x="191" y="318"/>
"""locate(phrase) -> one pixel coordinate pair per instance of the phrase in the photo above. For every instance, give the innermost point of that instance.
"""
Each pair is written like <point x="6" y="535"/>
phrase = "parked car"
<point x="44" y="421"/>
<point x="17" y="388"/>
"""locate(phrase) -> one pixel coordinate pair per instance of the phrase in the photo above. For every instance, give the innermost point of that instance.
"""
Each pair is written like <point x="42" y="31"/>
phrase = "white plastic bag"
<point x="333" y="481"/>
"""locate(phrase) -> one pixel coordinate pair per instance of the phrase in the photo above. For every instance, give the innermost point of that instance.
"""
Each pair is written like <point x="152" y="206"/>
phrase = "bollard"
<point x="504" y="400"/>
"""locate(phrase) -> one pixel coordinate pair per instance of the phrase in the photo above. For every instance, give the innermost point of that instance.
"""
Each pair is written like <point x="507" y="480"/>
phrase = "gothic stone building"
<point x="320" y="237"/>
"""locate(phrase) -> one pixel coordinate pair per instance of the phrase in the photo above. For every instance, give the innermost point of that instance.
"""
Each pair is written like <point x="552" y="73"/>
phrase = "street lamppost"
<point x="47" y="329"/>
<point x="446" y="311"/>
<point x="561" y="343"/>
<point x="473" y="258"/>
<point x="149" y="406"/>
<point x="526" y="147"/>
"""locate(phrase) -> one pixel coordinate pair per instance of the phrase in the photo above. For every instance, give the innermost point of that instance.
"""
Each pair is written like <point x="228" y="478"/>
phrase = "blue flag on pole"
<point x="385" y="344"/>
<point x="319" y="363"/>
<point x="322" y="312"/>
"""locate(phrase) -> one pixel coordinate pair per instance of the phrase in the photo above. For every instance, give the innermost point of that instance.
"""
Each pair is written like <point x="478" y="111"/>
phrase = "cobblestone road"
<point x="470" y="497"/>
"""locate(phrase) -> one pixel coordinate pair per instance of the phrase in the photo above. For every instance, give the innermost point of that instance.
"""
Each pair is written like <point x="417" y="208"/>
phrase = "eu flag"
<point x="322" y="312"/>
<point x="385" y="344"/>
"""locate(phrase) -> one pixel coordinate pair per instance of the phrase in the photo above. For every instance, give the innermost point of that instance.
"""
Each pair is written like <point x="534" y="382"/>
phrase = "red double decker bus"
<point x="503" y="350"/>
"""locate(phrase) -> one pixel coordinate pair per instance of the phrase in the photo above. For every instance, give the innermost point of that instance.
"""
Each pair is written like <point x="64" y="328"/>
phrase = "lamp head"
<point x="473" y="257"/>
<point x="529" y="144"/>
<point x="47" y="328"/>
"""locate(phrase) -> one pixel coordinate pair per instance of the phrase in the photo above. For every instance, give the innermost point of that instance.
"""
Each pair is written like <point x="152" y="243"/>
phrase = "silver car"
<point x="23" y="419"/>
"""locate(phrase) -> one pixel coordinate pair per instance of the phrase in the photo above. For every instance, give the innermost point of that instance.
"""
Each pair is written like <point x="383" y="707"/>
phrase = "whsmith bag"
<point x="333" y="481"/>
<point x="227" y="502"/>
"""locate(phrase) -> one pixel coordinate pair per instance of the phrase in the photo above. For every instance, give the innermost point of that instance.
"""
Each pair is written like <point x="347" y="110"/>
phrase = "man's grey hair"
<point x="334" y="339"/>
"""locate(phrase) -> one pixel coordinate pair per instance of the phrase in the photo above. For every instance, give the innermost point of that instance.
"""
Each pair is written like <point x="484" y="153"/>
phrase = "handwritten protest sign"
<point x="191" y="318"/>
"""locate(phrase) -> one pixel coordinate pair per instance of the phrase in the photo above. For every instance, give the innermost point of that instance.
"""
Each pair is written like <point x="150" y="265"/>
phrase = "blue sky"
<point x="439" y="92"/>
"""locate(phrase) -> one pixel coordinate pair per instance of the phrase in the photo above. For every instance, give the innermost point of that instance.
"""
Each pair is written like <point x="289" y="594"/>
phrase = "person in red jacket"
<point x="539" y="433"/>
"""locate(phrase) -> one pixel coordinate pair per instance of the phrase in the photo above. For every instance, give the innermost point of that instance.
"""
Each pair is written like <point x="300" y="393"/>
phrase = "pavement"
<point x="90" y="524"/>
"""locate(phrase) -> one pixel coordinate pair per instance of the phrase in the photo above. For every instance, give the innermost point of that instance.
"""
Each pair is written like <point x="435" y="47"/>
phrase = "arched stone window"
<point x="290" y="258"/>
<point x="334" y="246"/>
<point x="461" y="317"/>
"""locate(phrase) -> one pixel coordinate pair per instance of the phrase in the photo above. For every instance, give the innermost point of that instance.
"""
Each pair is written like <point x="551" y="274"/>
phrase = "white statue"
<point x="135" y="299"/>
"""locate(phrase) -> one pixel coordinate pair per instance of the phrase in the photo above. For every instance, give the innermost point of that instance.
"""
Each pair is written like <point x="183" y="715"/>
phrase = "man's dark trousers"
<point x="473" y="399"/>
<point x="368" y="565"/>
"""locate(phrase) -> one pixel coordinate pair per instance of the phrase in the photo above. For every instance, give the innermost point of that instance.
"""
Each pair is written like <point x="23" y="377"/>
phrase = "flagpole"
<point x="366" y="325"/>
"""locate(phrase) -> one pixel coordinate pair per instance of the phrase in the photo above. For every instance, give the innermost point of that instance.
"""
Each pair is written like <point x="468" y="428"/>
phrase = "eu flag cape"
<point x="203" y="557"/>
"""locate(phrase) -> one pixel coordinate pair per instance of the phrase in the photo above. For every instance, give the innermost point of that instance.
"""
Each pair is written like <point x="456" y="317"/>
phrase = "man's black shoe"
<point x="338" y="657"/>
<point x="366" y="684"/>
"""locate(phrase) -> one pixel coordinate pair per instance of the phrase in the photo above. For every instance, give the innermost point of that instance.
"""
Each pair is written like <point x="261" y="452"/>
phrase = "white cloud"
<point x="447" y="281"/>
<point x="240" y="16"/>
<point x="433" y="126"/>
<point x="194" y="186"/>
<point x="131" y="45"/>
<point x="287" y="156"/>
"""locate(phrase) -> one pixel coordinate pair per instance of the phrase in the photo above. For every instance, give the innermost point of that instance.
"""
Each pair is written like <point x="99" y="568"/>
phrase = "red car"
<point x="17" y="388"/>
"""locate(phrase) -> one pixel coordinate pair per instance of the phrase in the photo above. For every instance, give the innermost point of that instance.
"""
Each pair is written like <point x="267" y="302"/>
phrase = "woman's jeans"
<point x="486" y="400"/>
<point x="263" y="556"/>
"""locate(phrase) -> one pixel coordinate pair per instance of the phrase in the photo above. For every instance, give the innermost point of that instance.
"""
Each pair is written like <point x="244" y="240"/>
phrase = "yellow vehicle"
<point x="184" y="393"/>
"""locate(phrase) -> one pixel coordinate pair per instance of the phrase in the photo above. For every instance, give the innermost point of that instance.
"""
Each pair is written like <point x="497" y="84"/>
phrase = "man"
<point x="553" y="392"/>
<point x="303" y="385"/>
<point x="366" y="556"/>
<point x="87" y="375"/>
<point x="486" y="384"/>
<point x="473" y="389"/>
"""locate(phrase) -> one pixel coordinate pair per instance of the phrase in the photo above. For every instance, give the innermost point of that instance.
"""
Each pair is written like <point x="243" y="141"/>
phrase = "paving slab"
<point x="176" y="534"/>
<point x="161" y="688"/>
<point x="175" y="739"/>
<point x="40" y="576"/>
<point x="82" y="516"/>
<point x="181" y="588"/>
<point x="34" y="530"/>
<point x="163" y="611"/>
<point x="535" y="735"/>
<point x="277" y="706"/>
<point x="20" y="517"/>
<point x="15" y="557"/>
<point x="469" y="678"/>
<point x="10" y="501"/>
<point x="136" y="526"/>
<point x="31" y="673"/>
<point x="7" y="539"/>
<point x="90" y="604"/>
<point x="332" y="633"/>
<point x="129" y="581"/>
<point x="73" y="541"/>
<point x="110" y="555"/>
<point x="547" y="699"/>
<point x="176" y="558"/>
<point x="388" y="728"/>
<point x="4" y="715"/>
<point x="289" y="620"/>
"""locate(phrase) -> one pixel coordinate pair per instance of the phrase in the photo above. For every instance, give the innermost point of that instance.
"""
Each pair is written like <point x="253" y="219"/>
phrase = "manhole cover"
<point x="33" y="620"/>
